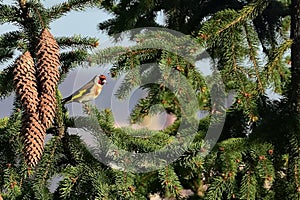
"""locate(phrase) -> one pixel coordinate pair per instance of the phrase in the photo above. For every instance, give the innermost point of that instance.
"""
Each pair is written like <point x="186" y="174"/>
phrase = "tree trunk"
<point x="295" y="56"/>
<point x="294" y="99"/>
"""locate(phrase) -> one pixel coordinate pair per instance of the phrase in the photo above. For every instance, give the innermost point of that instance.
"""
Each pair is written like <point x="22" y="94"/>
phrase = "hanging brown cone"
<point x="33" y="132"/>
<point x="48" y="76"/>
<point x="25" y="82"/>
<point x="34" y="136"/>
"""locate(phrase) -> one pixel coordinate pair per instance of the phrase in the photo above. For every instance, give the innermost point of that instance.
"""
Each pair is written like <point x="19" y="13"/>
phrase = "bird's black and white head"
<point x="100" y="80"/>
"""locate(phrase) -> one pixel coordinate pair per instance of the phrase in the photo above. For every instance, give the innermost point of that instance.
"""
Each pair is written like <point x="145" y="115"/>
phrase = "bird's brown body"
<point x="88" y="92"/>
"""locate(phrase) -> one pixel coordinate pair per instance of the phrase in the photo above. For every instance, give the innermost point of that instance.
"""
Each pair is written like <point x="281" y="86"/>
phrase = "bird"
<point x="88" y="92"/>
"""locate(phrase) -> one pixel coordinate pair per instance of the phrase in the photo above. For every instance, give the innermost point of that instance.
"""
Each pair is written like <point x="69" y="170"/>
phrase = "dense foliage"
<point x="257" y="155"/>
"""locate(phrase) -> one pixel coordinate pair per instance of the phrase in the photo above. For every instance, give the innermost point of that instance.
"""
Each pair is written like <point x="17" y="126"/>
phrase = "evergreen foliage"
<point x="257" y="155"/>
<point x="249" y="43"/>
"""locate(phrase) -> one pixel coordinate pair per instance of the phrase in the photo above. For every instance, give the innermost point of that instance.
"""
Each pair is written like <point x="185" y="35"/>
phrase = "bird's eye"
<point x="102" y="81"/>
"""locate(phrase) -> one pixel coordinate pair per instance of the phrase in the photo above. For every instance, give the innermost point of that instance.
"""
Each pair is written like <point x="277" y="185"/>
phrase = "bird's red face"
<point x="102" y="80"/>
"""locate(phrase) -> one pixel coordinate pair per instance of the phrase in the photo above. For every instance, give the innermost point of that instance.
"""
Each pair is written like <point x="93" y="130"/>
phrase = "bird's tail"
<point x="66" y="100"/>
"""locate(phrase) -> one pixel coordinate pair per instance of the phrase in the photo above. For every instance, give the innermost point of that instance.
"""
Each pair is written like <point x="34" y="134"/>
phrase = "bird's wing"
<point x="86" y="88"/>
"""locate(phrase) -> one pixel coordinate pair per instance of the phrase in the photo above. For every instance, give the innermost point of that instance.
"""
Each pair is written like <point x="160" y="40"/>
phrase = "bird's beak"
<point x="104" y="81"/>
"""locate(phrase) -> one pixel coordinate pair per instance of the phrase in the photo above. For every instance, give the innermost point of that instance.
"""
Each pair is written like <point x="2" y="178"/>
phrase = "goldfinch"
<point x="88" y="92"/>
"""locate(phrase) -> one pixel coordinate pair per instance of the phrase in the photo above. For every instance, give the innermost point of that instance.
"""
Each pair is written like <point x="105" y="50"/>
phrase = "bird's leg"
<point x="86" y="108"/>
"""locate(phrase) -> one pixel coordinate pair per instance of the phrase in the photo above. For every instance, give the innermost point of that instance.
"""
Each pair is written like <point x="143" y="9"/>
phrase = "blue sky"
<point x="74" y="23"/>
<point x="82" y="23"/>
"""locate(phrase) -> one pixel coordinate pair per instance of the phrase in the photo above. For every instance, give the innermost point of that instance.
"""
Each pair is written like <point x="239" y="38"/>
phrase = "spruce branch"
<point x="277" y="56"/>
<point x="51" y="154"/>
<point x="120" y="54"/>
<point x="253" y="57"/>
<point x="296" y="174"/>
<point x="6" y="81"/>
<point x="276" y="72"/>
<point x="8" y="14"/>
<point x="248" y="186"/>
<point x="11" y="39"/>
<point x="38" y="9"/>
<point x="59" y="10"/>
<point x="3" y="122"/>
<point x="219" y="25"/>
<point x="6" y="54"/>
<point x="170" y="182"/>
<point x="77" y="41"/>
<point x="216" y="188"/>
<point x="70" y="60"/>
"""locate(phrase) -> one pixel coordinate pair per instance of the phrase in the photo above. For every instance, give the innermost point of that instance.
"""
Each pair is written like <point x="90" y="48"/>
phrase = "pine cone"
<point x="33" y="132"/>
<point x="33" y="138"/>
<point x="25" y="81"/>
<point x="39" y="107"/>
<point x="48" y="76"/>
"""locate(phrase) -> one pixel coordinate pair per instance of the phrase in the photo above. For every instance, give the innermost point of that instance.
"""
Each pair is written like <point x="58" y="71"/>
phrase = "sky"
<point x="73" y="23"/>
<point x="83" y="23"/>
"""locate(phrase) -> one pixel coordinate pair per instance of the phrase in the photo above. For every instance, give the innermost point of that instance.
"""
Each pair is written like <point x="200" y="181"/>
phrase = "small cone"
<point x="48" y="76"/>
